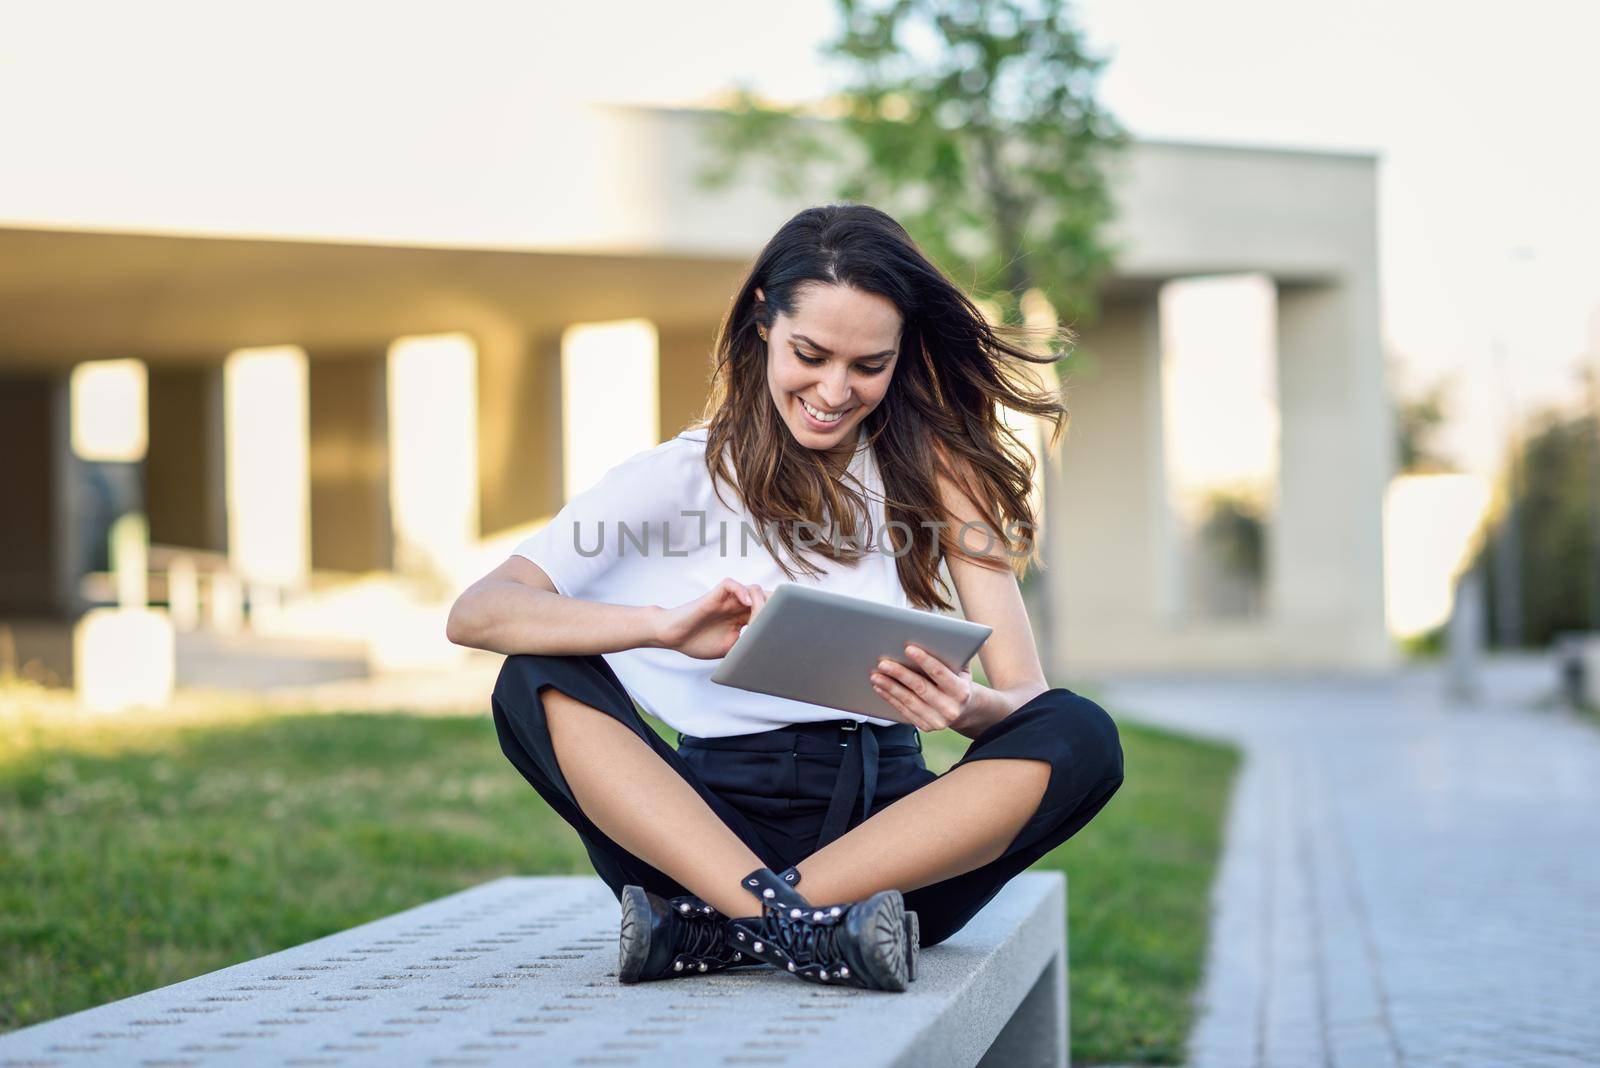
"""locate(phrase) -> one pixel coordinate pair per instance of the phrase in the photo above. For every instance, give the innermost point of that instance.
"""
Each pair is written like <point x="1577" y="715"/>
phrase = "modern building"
<point x="329" y="430"/>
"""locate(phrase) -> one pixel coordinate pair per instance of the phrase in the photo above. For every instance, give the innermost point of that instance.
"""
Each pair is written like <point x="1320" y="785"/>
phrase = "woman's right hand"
<point x="707" y="626"/>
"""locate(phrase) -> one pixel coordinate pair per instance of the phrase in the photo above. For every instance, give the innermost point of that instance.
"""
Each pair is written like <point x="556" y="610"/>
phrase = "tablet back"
<point x="820" y="647"/>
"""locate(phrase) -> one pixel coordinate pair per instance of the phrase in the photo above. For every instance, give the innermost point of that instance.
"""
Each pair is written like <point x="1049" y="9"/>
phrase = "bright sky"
<point x="1488" y="229"/>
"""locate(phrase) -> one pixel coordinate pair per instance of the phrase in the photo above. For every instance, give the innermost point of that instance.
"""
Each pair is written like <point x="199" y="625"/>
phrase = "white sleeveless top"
<point x="607" y="545"/>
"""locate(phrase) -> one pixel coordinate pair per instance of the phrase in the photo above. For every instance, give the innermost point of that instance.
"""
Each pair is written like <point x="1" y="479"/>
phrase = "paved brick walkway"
<point x="1408" y="881"/>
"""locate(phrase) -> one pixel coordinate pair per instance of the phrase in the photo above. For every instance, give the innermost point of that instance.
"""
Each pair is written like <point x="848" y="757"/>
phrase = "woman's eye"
<point x="818" y="361"/>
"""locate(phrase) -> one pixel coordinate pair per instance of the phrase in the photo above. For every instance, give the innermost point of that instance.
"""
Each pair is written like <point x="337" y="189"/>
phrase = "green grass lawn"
<point x="135" y="854"/>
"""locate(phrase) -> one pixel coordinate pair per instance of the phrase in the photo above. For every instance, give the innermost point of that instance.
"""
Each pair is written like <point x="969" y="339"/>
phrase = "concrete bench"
<point x="523" y="971"/>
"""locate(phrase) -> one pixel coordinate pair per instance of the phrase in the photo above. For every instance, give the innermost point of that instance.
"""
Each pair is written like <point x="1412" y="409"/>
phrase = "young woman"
<point x="852" y="441"/>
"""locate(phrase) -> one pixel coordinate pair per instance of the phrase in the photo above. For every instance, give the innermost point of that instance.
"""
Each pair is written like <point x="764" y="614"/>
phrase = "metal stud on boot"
<point x="859" y="943"/>
<point x="664" y="938"/>
<point x="790" y="877"/>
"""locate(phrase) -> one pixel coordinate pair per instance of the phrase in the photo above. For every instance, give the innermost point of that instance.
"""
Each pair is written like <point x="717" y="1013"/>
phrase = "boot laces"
<point x="703" y="933"/>
<point x="807" y="940"/>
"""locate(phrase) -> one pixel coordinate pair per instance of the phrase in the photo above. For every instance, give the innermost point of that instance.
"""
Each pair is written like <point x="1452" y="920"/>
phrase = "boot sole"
<point x="882" y="960"/>
<point x="913" y="944"/>
<point x="633" y="945"/>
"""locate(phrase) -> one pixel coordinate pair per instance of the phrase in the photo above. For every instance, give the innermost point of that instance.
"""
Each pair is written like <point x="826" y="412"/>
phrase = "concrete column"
<point x="1107" y="555"/>
<point x="183" y="594"/>
<point x="1325" y="556"/>
<point x="185" y="479"/>
<point x="33" y="545"/>
<point x="519" y="428"/>
<point x="350" y="519"/>
<point x="685" y="375"/>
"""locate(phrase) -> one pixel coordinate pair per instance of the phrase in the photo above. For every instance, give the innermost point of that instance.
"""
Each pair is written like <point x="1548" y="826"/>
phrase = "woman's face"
<point x="830" y="363"/>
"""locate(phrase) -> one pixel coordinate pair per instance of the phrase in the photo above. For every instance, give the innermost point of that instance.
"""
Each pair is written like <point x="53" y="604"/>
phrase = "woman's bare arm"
<point x="990" y="594"/>
<point x="515" y="609"/>
<point x="934" y="696"/>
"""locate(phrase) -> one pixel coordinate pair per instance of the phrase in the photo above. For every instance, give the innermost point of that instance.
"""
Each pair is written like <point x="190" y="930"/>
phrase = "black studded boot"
<point x="913" y="927"/>
<point x="859" y="943"/>
<point x="663" y="938"/>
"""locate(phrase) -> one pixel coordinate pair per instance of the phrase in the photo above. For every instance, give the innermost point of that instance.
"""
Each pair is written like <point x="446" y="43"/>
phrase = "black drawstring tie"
<point x="859" y="742"/>
<point x="858" y="774"/>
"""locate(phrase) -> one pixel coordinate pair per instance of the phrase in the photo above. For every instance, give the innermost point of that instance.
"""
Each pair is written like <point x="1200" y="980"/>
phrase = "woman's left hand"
<point x="933" y="697"/>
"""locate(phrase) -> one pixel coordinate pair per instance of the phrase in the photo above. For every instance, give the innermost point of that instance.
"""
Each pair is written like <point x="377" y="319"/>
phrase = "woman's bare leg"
<point x="631" y="794"/>
<point x="961" y="821"/>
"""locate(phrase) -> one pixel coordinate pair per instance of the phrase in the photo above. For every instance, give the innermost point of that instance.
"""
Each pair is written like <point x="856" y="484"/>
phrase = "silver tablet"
<point x="811" y="645"/>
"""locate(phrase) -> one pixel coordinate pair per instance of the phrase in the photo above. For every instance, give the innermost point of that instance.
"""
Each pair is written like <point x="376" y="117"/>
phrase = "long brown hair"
<point x="954" y="367"/>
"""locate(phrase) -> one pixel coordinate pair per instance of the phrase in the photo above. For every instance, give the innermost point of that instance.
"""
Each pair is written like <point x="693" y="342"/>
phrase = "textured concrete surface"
<point x="1408" y="880"/>
<point x="523" y="971"/>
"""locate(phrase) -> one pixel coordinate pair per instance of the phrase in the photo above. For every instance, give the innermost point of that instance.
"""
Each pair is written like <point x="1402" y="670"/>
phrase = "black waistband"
<point x="829" y="733"/>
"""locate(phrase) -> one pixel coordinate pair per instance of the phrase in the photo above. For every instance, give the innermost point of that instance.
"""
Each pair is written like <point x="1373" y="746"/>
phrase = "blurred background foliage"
<point x="1557" y="535"/>
<point x="976" y="125"/>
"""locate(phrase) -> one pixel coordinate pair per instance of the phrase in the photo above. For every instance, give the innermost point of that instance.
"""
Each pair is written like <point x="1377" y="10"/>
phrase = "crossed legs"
<point x="647" y="808"/>
<point x="963" y="820"/>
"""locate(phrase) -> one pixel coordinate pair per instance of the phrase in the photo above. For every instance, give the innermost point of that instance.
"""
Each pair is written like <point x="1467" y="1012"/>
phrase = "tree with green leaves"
<point x="1555" y="549"/>
<point x="1419" y="419"/>
<point x="973" y="122"/>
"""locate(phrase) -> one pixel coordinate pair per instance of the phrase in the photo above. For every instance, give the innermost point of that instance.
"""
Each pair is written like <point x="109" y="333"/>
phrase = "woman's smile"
<point x="822" y="418"/>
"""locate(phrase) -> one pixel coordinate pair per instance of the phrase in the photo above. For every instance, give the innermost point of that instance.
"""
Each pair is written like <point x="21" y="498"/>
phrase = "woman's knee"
<point x="1091" y="743"/>
<point x="525" y="695"/>
<point x="521" y="671"/>
<point x="533" y="683"/>
<point x="517" y="684"/>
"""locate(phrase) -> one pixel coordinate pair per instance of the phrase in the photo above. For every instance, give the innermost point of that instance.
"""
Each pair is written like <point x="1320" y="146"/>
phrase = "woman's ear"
<point x="760" y="312"/>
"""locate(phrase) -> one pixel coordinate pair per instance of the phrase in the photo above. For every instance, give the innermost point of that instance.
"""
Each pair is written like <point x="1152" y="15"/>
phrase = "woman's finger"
<point x="758" y="600"/>
<point x="957" y="686"/>
<point x="912" y="715"/>
<point x="909" y="678"/>
<point x="903" y="697"/>
<point x="932" y="667"/>
<point x="939" y="706"/>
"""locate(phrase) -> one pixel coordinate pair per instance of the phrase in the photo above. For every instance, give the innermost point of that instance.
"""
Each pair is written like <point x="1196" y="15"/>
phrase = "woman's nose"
<point x="834" y="391"/>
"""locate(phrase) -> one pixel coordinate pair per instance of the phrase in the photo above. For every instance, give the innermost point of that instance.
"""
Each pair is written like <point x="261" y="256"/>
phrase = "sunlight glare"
<point x="124" y="658"/>
<point x="109" y="421"/>
<point x="1430" y="523"/>
<point x="610" y="397"/>
<point x="266" y="401"/>
<point x="1219" y="388"/>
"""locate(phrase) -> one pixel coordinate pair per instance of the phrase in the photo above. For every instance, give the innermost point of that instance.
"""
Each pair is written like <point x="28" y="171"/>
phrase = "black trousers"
<point x="785" y="792"/>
